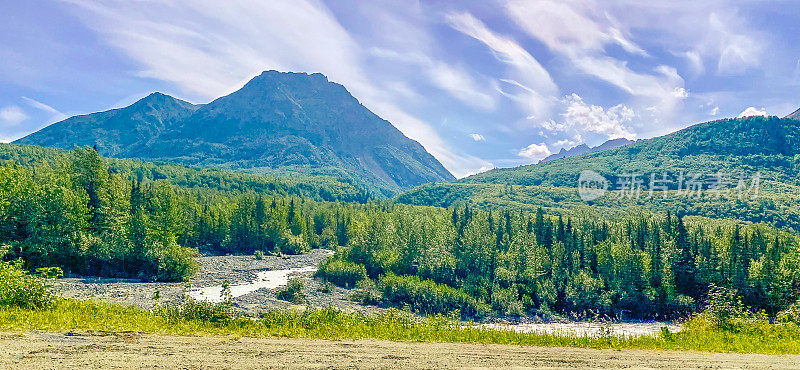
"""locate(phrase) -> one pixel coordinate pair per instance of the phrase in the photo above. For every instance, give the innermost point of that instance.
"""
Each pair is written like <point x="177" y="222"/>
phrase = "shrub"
<point x="50" y="272"/>
<point x="426" y="296"/>
<point x="326" y="287"/>
<point x="258" y="254"/>
<point x="723" y="306"/>
<point x="192" y="309"/>
<point x="505" y="301"/>
<point x="342" y="273"/>
<point x="18" y="288"/>
<point x="366" y="293"/>
<point x="293" y="292"/>
<point x="294" y="245"/>
<point x="791" y="314"/>
<point x="170" y="263"/>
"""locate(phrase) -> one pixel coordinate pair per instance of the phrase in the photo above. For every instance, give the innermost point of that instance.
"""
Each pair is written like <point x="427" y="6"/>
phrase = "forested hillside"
<point x="278" y="123"/>
<point x="75" y="212"/>
<point x="769" y="145"/>
<point x="719" y="152"/>
<point x="324" y="188"/>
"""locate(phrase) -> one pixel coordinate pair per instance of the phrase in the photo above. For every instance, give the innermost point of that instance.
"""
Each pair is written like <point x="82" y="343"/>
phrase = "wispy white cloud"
<point x="12" y="115"/>
<point x="714" y="111"/>
<point x="456" y="81"/>
<point x="737" y="51"/>
<point x="536" y="152"/>
<point x="55" y="115"/>
<point x="477" y="137"/>
<point x="707" y="33"/>
<point x="696" y="63"/>
<point x="580" y="32"/>
<point x="568" y="26"/>
<point x="752" y="111"/>
<point x="460" y="85"/>
<point x="584" y="42"/>
<point x="209" y="50"/>
<point x="537" y="87"/>
<point x="39" y="105"/>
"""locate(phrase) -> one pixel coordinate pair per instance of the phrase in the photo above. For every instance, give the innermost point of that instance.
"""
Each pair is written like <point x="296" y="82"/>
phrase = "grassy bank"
<point x="90" y="316"/>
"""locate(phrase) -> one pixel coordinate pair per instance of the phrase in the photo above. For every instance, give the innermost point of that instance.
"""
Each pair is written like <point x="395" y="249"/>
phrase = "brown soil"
<point x="46" y="350"/>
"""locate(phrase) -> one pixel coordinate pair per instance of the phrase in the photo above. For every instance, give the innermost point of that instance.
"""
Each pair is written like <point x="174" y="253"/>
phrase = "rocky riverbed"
<point x="254" y="284"/>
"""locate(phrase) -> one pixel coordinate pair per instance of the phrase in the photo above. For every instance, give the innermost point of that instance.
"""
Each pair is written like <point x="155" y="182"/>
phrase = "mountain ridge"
<point x="698" y="145"/>
<point x="764" y="147"/>
<point x="584" y="149"/>
<point x="277" y="122"/>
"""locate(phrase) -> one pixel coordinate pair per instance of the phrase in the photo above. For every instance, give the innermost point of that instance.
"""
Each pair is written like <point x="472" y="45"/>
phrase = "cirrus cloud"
<point x="12" y="115"/>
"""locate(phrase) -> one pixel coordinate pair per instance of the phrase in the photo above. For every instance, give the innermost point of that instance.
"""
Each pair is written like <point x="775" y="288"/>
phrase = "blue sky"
<point x="481" y="84"/>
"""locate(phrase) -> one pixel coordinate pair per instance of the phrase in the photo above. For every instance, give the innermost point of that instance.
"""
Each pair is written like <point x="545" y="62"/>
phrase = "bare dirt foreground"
<point x="45" y="350"/>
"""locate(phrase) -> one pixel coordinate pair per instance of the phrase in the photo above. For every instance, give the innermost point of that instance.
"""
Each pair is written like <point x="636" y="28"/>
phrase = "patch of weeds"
<point x="293" y="292"/>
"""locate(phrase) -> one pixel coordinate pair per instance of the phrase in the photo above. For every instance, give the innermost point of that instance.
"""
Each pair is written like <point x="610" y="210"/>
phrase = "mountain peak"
<point x="277" y="122"/>
<point x="795" y="115"/>
<point x="157" y="100"/>
<point x="285" y="77"/>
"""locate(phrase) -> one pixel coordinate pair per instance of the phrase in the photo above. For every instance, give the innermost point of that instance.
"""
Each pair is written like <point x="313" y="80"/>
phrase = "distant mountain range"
<point x="766" y="144"/>
<point x="763" y="147"/>
<point x="795" y="115"/>
<point x="294" y="123"/>
<point x="583" y="149"/>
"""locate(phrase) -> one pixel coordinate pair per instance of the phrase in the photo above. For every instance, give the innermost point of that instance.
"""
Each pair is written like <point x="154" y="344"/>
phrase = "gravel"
<point x="235" y="269"/>
<point x="241" y="271"/>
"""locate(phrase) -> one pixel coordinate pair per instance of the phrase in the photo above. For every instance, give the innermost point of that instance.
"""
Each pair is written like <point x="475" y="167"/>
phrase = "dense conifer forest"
<point x="90" y="216"/>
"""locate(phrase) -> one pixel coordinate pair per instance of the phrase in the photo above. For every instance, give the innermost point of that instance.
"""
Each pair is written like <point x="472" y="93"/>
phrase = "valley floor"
<point x="215" y="270"/>
<point x="48" y="350"/>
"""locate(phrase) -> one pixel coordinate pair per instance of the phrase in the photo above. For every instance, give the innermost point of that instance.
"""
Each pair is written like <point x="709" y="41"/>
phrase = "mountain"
<point x="795" y="115"/>
<point x="767" y="146"/>
<point x="285" y="123"/>
<point x="116" y="132"/>
<point x="583" y="149"/>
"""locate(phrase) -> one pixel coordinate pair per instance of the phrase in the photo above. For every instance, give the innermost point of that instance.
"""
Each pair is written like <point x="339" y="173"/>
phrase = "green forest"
<point x="767" y="146"/>
<point x="92" y="216"/>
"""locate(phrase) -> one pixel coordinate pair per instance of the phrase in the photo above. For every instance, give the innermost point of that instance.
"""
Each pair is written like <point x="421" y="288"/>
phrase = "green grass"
<point x="93" y="316"/>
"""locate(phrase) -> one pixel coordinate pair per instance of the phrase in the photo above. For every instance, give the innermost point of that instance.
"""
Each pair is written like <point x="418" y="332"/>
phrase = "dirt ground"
<point x="48" y="350"/>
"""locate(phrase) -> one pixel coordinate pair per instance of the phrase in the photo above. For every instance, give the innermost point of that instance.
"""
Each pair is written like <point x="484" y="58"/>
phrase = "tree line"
<point x="81" y="215"/>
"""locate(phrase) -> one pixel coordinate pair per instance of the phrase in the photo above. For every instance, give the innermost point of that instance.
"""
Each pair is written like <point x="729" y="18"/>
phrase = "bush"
<point x="342" y="273"/>
<point x="170" y="263"/>
<point x="505" y="301"/>
<point x="326" y="287"/>
<point x="50" y="272"/>
<point x="790" y="315"/>
<point x="258" y="254"/>
<point x="426" y="296"/>
<point x="294" y="245"/>
<point x="293" y="292"/>
<point x="18" y="288"/>
<point x="366" y="293"/>
<point x="192" y="309"/>
<point x="723" y="306"/>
